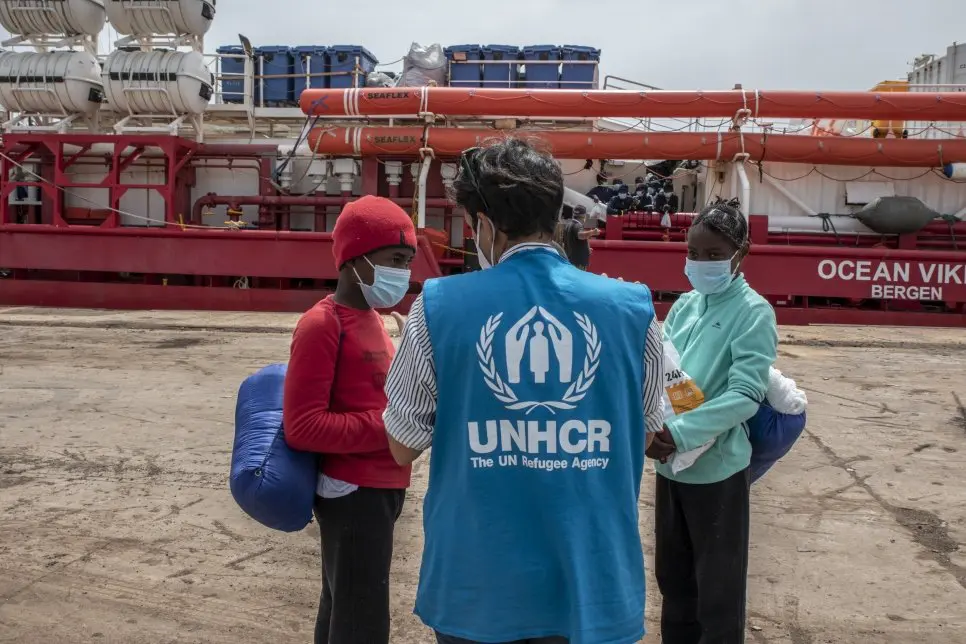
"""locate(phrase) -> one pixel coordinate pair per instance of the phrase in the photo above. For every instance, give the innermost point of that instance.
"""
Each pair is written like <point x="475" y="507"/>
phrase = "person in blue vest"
<point x="726" y="336"/>
<point x="536" y="385"/>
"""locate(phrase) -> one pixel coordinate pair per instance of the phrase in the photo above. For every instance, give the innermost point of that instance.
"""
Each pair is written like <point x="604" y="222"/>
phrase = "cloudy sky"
<point x="674" y="44"/>
<point x="708" y="44"/>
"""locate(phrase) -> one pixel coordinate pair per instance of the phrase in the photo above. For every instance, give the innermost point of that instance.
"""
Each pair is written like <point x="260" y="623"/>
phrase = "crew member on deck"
<point x="621" y="202"/>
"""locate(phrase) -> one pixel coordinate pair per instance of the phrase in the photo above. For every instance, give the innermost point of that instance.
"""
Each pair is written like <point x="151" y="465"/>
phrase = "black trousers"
<point x="701" y="559"/>
<point x="357" y="532"/>
<point x="446" y="639"/>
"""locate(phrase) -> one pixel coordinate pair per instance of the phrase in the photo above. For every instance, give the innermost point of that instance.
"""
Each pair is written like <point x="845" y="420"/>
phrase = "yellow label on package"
<point x="682" y="392"/>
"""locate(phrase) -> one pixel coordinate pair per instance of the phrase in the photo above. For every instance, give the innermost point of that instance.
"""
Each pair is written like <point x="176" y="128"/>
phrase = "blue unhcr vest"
<point x="531" y="518"/>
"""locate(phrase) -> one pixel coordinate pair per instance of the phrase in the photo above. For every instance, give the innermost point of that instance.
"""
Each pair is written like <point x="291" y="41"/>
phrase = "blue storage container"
<point x="582" y="75"/>
<point x="275" y="63"/>
<point x="233" y="74"/>
<point x="500" y="75"/>
<point x="544" y="74"/>
<point x="342" y="64"/>
<point x="309" y="59"/>
<point x="465" y="74"/>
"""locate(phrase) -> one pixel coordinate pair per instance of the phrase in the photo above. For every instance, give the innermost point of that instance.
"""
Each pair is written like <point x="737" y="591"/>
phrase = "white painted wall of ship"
<point x="824" y="194"/>
<point x="823" y="188"/>
<point x="146" y="208"/>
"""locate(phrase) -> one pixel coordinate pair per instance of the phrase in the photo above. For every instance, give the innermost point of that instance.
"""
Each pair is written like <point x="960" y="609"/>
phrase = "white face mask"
<point x="389" y="285"/>
<point x="485" y="261"/>
<point x="710" y="278"/>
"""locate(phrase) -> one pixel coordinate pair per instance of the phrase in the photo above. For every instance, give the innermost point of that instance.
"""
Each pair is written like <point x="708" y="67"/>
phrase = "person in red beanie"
<point x="333" y="406"/>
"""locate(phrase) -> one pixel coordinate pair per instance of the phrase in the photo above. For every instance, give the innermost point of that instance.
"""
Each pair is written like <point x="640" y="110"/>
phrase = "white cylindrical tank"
<point x="157" y="82"/>
<point x="955" y="171"/>
<point x="138" y="18"/>
<point x="68" y="17"/>
<point x="61" y="82"/>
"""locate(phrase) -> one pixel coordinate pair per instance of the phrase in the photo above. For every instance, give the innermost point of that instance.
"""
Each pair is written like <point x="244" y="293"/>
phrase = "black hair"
<point x="726" y="220"/>
<point x="519" y="187"/>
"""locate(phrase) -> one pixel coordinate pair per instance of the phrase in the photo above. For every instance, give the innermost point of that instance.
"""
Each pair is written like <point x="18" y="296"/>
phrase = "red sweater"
<point x="334" y="395"/>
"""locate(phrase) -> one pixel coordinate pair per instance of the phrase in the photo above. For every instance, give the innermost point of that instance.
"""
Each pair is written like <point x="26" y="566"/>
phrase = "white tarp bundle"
<point x="423" y="66"/>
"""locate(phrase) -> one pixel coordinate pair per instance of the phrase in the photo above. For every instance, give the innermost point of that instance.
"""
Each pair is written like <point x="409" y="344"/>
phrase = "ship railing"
<point x="521" y="80"/>
<point x="670" y="124"/>
<point x="237" y="92"/>
<point x="247" y="88"/>
<point x="935" y="129"/>
<point x="808" y="127"/>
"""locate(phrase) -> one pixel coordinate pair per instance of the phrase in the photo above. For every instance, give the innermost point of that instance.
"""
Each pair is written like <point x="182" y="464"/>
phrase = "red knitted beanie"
<point x="368" y="224"/>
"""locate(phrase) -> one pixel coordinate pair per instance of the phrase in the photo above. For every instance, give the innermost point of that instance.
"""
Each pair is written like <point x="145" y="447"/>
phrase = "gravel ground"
<point x="117" y="524"/>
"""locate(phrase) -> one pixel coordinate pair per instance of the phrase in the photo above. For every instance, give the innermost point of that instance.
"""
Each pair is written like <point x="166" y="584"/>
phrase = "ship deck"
<point x="118" y="526"/>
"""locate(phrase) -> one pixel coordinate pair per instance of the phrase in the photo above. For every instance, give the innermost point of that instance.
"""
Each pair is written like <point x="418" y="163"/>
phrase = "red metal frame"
<point x="809" y="277"/>
<point x="58" y="153"/>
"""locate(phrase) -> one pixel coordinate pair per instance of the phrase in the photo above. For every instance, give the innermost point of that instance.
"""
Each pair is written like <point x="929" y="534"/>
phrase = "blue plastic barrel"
<point x="342" y="64"/>
<point x="544" y="74"/>
<point x="582" y="75"/>
<point x="465" y="74"/>
<point x="276" y="64"/>
<point x="309" y="59"/>
<point x="502" y="74"/>
<point x="233" y="74"/>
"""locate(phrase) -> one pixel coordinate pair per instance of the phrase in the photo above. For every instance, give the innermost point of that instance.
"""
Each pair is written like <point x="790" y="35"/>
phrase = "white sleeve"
<point x="410" y="415"/>
<point x="654" y="378"/>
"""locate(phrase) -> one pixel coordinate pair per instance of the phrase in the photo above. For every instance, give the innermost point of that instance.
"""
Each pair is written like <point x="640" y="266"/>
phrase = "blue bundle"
<point x="272" y="483"/>
<point x="772" y="435"/>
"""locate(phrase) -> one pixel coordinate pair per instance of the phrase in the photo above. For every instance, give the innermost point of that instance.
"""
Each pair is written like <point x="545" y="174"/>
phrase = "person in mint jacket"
<point x="727" y="337"/>
<point x="537" y="385"/>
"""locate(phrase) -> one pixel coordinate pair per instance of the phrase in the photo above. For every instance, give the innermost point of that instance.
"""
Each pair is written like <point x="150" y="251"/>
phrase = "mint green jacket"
<point x="727" y="343"/>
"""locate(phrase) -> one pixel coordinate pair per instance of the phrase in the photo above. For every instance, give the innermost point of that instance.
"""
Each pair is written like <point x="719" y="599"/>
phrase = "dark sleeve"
<point x="573" y="232"/>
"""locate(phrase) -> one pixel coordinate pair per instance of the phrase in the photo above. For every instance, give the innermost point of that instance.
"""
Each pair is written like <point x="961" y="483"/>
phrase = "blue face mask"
<point x="709" y="278"/>
<point x="389" y="286"/>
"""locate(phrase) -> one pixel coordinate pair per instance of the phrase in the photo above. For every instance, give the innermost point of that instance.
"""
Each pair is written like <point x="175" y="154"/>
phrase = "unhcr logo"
<point x="535" y="335"/>
<point x="541" y="354"/>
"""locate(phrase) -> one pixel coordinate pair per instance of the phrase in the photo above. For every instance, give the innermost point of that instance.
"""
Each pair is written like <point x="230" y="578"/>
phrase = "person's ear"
<point x="743" y="251"/>
<point x="500" y="241"/>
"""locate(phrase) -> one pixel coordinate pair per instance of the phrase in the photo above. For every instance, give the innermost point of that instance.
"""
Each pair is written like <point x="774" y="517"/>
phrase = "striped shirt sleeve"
<point x="654" y="378"/>
<point x="410" y="415"/>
